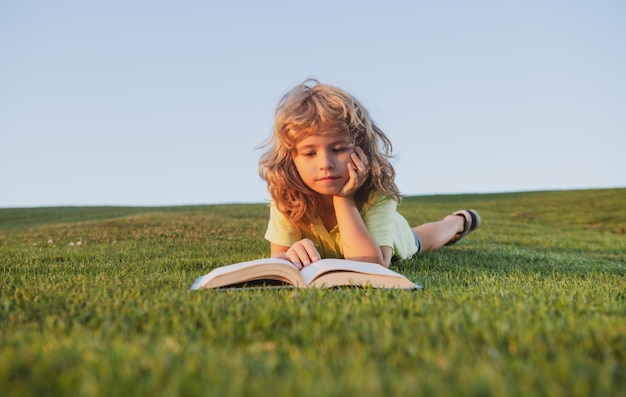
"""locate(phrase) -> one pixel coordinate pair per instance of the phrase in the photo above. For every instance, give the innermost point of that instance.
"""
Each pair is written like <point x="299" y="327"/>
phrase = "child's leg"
<point x="449" y="230"/>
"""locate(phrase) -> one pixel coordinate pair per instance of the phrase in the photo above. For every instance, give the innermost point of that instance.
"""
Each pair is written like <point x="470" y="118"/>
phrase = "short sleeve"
<point x="378" y="218"/>
<point x="279" y="230"/>
<point x="388" y="228"/>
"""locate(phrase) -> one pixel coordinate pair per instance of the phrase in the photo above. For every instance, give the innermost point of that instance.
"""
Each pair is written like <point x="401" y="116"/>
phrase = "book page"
<point x="242" y="265"/>
<point x="316" y="269"/>
<point x="236" y="273"/>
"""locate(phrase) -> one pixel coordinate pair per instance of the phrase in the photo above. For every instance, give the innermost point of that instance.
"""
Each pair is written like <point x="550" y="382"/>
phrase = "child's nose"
<point x="326" y="161"/>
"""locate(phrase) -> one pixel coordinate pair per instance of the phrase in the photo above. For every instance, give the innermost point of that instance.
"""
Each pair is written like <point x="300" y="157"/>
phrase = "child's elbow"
<point x="386" y="253"/>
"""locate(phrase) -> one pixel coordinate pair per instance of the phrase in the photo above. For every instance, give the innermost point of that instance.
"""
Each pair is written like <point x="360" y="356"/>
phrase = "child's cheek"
<point x="347" y="160"/>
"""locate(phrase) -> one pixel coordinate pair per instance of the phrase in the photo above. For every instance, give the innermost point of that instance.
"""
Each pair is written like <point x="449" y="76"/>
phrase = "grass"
<point x="95" y="302"/>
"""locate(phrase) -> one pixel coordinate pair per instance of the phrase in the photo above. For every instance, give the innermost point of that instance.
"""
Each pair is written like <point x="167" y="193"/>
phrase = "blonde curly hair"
<point x="316" y="108"/>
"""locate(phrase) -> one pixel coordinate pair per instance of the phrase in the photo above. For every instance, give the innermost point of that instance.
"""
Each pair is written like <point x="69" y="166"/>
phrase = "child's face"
<point x="322" y="162"/>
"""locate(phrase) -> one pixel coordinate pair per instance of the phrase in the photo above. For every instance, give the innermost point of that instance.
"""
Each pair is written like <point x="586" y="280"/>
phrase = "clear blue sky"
<point x="165" y="102"/>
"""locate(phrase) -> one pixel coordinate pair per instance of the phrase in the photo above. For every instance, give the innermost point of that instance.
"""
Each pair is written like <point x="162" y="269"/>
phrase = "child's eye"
<point x="340" y="149"/>
<point x="308" y="154"/>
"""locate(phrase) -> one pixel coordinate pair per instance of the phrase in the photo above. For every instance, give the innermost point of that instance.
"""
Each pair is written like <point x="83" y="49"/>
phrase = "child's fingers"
<point x="311" y="251"/>
<point x="357" y="171"/>
<point x="353" y="171"/>
<point x="353" y="179"/>
<point x="293" y="258"/>
<point x="303" y="253"/>
<point x="353" y="183"/>
<point x="360" y="160"/>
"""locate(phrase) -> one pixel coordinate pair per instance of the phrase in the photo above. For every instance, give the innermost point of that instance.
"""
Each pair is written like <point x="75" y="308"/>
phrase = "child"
<point x="333" y="192"/>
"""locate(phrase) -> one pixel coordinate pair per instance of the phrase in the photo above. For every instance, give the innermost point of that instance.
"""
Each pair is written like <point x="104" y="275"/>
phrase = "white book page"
<point x="327" y="265"/>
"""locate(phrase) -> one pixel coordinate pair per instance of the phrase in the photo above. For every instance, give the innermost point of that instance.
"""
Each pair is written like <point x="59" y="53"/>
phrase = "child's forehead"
<point x="323" y="138"/>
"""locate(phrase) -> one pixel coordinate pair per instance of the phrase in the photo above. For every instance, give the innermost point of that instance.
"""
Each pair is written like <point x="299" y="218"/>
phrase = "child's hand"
<point x="357" y="171"/>
<point x="302" y="253"/>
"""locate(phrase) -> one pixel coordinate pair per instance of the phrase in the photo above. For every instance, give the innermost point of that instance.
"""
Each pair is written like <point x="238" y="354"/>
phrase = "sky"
<point x="150" y="103"/>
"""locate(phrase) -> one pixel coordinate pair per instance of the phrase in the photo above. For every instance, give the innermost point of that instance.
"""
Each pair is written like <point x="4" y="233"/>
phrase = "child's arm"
<point x="357" y="242"/>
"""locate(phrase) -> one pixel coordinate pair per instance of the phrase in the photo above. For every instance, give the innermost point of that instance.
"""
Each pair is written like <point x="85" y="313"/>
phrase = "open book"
<point x="324" y="273"/>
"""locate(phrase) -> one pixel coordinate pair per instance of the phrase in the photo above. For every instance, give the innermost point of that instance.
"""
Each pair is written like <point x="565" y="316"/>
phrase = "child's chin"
<point x="327" y="192"/>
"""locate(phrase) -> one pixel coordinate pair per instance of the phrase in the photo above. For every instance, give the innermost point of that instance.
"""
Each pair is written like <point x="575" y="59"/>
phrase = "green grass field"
<point x="95" y="302"/>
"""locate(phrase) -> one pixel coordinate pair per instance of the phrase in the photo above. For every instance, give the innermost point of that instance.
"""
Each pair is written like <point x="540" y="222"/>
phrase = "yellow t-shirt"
<point x="387" y="227"/>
